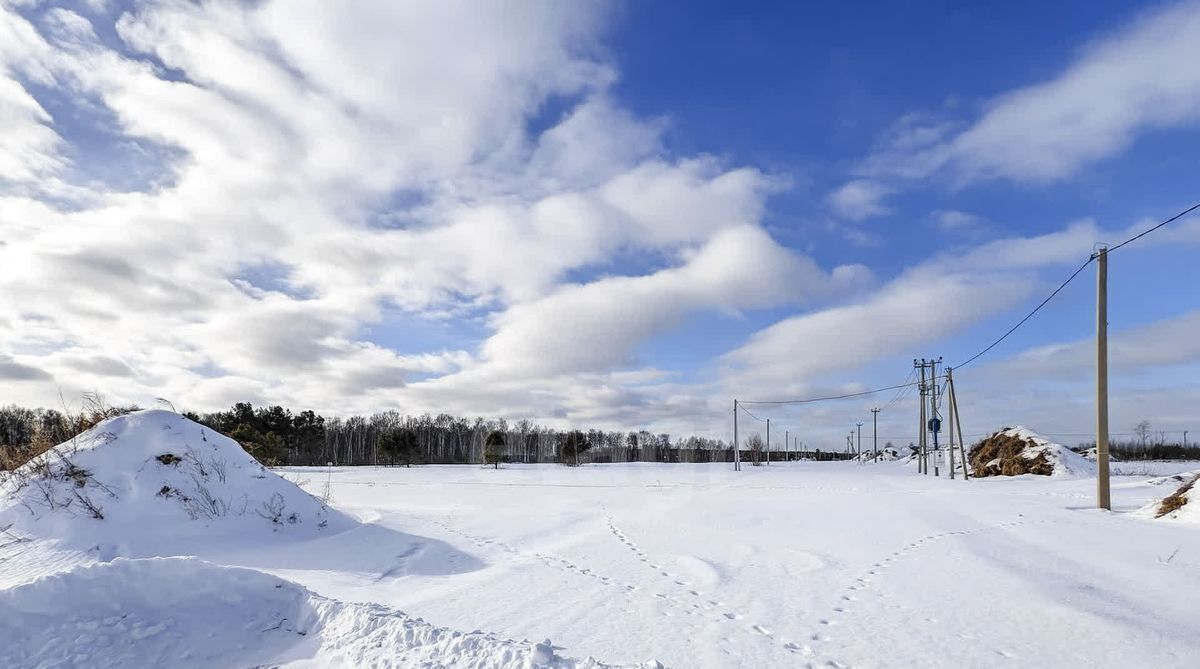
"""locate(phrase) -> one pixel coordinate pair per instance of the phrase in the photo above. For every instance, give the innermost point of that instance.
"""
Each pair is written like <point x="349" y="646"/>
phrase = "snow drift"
<point x="1018" y="450"/>
<point x="184" y="613"/>
<point x="1183" y="504"/>
<point x="156" y="483"/>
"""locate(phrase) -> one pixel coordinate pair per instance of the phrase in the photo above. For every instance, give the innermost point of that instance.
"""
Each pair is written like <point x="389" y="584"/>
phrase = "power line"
<point x="902" y="392"/>
<point x="1136" y="237"/>
<point x="1027" y="316"/>
<point x="830" y="397"/>
<point x="1143" y="233"/>
<point x="740" y="403"/>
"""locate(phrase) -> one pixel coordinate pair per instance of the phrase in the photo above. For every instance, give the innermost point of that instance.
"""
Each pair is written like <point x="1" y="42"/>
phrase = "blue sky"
<point x="610" y="214"/>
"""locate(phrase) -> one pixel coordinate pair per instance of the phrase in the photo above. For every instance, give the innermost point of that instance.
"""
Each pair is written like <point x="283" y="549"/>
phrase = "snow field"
<point x="790" y="564"/>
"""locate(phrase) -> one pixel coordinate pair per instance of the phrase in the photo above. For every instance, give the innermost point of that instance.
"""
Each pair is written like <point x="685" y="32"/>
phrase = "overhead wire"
<point x="829" y="397"/>
<point x="903" y="389"/>
<point x="1147" y="231"/>
<point x="1070" y="278"/>
<point x="743" y="408"/>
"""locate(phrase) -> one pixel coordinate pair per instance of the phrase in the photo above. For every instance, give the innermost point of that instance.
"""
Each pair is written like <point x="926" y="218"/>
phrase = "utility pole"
<point x="1185" y="438"/>
<point x="786" y="445"/>
<point x="737" y="449"/>
<point x="933" y="413"/>
<point x="860" y="461"/>
<point x="875" y="431"/>
<point x="768" y="441"/>
<point x="962" y="443"/>
<point x="950" y="420"/>
<point x="921" y="440"/>
<point x="1102" y="494"/>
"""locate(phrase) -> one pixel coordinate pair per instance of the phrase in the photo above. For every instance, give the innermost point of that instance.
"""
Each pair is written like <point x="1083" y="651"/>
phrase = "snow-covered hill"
<point x="155" y="483"/>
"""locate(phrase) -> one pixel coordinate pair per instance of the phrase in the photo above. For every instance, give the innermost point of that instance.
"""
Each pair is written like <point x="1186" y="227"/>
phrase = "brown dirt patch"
<point x="1001" y="455"/>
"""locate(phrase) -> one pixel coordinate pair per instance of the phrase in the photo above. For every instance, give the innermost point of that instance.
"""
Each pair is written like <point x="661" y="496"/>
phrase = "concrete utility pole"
<point x="737" y="450"/>
<point x="921" y="440"/>
<point x="859" y="443"/>
<point x="950" y="420"/>
<point x="1102" y="494"/>
<point x="787" y="443"/>
<point x="768" y="441"/>
<point x="1185" y="438"/>
<point x="875" y="431"/>
<point x="962" y="448"/>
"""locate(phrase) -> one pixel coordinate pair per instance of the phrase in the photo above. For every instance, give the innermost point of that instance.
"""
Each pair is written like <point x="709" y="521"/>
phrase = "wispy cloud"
<point x="1130" y="82"/>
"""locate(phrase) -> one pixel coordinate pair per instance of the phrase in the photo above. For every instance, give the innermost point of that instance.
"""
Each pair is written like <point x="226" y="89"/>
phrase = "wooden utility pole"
<point x="1102" y="493"/>
<point x="737" y="449"/>
<point x="875" y="431"/>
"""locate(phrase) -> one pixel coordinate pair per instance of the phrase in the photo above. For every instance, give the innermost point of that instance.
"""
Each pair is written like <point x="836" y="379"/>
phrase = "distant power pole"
<point x="1102" y="495"/>
<point x="786" y="445"/>
<point x="859" y="443"/>
<point x="875" y="431"/>
<point x="737" y="449"/>
<point x="768" y="441"/>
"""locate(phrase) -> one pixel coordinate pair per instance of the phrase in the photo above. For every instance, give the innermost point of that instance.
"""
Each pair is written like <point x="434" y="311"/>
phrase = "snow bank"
<point x="156" y="483"/>
<point x="184" y="613"/>
<point x="1018" y="450"/>
<point x="1181" y="505"/>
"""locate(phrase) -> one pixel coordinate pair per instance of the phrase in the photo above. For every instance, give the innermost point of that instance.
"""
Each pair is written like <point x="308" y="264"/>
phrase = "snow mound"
<point x="1181" y="505"/>
<point x="184" y="613"/>
<point x="1018" y="450"/>
<point x="888" y="454"/>
<point x="155" y="483"/>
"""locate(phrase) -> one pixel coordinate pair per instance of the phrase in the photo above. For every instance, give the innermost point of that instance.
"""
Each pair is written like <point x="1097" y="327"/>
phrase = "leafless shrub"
<point x="205" y="504"/>
<point x="219" y="467"/>
<point x="273" y="509"/>
<point x="91" y="507"/>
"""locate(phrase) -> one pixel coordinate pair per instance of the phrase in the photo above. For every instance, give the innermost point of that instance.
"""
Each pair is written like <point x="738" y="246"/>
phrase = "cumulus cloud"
<point x="921" y="307"/>
<point x="315" y="169"/>
<point x="371" y="165"/>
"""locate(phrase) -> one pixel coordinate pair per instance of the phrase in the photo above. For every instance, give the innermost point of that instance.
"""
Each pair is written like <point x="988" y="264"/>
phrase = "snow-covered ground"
<point x="828" y="564"/>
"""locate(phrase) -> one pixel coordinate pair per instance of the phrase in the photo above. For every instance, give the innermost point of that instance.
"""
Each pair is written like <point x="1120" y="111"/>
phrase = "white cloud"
<point x="1135" y="80"/>
<point x="919" y="308"/>
<point x="953" y="220"/>
<point x="371" y="163"/>
<point x="860" y="199"/>
<point x="375" y="164"/>
<point x="1142" y="349"/>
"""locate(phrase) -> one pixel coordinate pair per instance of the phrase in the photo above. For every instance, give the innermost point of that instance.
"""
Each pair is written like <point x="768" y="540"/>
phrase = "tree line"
<point x="1148" y="444"/>
<point x="277" y="436"/>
